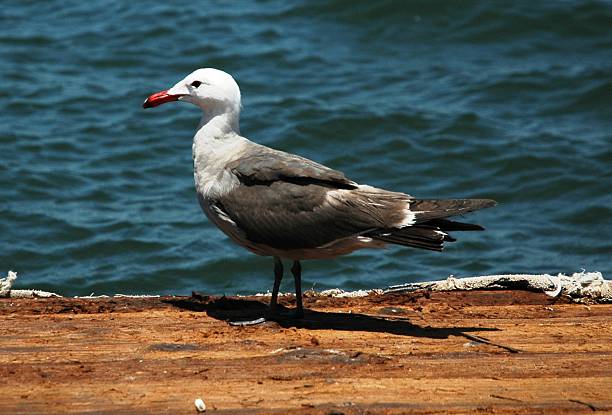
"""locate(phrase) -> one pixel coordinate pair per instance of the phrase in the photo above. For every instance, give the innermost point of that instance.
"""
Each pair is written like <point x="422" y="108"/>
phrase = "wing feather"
<point x="270" y="166"/>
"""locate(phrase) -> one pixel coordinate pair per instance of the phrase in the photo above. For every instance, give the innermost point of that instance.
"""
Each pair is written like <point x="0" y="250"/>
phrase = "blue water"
<point x="434" y="98"/>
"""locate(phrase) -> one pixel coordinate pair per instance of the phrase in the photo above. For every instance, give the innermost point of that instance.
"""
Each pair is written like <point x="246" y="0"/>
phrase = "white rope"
<point x="580" y="285"/>
<point x="7" y="283"/>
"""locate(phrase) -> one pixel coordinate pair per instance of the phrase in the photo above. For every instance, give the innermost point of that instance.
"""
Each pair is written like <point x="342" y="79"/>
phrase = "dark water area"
<point x="510" y="101"/>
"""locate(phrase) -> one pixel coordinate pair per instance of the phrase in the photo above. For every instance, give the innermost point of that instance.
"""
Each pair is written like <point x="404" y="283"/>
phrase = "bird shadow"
<point x="232" y="310"/>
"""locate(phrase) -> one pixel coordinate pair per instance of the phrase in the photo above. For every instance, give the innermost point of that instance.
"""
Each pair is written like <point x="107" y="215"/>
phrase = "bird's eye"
<point x="196" y="84"/>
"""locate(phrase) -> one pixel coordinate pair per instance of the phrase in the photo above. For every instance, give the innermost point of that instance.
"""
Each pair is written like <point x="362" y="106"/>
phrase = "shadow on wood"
<point x="231" y="310"/>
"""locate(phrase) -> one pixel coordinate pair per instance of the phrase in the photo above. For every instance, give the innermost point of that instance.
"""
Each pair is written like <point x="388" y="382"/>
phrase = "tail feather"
<point x="431" y="228"/>
<point x="424" y="237"/>
<point x="449" y="225"/>
<point x="406" y="240"/>
<point x="426" y="209"/>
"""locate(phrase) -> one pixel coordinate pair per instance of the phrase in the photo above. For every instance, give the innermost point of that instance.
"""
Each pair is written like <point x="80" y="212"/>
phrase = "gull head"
<point x="212" y="90"/>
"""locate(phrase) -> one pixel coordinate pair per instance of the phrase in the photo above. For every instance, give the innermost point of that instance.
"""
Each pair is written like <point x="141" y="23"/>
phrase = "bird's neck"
<point x="216" y="143"/>
<point x="220" y="123"/>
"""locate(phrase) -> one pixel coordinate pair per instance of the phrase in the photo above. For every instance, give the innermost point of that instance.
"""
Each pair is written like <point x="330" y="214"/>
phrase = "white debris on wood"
<point x="92" y="296"/>
<point x="338" y="293"/>
<point x="6" y="285"/>
<point x="266" y="294"/>
<point x="200" y="405"/>
<point x="334" y="292"/>
<point x="135" y="296"/>
<point x="582" y="286"/>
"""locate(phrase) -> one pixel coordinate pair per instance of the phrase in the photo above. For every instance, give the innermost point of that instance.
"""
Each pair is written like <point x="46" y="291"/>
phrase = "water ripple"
<point x="425" y="97"/>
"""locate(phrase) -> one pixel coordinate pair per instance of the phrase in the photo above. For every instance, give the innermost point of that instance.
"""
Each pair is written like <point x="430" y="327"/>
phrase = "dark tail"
<point x="431" y="227"/>
<point x="426" y="209"/>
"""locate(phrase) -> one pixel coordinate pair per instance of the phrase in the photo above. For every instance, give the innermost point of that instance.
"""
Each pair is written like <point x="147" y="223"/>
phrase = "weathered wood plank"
<point x="412" y="353"/>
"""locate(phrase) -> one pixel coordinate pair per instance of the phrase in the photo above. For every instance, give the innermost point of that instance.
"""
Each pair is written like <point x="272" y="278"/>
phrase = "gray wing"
<point x="272" y="165"/>
<point x="286" y="215"/>
<point x="288" y="202"/>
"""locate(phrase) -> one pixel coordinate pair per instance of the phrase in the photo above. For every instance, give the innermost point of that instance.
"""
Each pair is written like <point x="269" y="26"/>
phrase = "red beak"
<point x="159" y="98"/>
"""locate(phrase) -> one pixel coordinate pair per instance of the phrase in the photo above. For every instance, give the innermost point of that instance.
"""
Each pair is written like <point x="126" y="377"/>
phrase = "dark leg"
<point x="278" y="276"/>
<point x="296" y="269"/>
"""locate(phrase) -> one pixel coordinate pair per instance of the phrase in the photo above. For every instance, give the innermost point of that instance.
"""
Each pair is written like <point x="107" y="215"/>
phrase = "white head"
<point x="213" y="90"/>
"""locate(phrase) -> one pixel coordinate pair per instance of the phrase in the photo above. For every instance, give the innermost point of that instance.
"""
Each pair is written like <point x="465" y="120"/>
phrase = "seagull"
<point x="288" y="207"/>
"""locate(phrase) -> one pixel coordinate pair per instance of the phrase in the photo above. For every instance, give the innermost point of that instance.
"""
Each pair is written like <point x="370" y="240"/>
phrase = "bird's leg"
<point x="296" y="269"/>
<point x="273" y="310"/>
<point x="278" y="276"/>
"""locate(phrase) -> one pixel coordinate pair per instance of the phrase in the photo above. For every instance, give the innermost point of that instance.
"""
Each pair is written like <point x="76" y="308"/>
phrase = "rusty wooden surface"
<point x="502" y="352"/>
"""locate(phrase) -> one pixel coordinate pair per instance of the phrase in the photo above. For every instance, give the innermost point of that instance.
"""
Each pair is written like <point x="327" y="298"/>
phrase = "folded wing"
<point x="289" y="202"/>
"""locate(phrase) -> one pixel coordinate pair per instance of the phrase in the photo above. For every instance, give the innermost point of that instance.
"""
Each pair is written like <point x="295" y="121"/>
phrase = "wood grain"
<point x="502" y="352"/>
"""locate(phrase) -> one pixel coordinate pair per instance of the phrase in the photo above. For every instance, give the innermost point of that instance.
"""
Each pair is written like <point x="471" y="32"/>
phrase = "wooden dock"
<point x="501" y="352"/>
